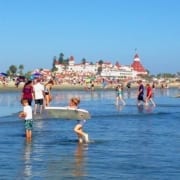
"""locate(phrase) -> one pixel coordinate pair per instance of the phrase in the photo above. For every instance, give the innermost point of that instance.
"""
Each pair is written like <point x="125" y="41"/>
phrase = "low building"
<point x="108" y="69"/>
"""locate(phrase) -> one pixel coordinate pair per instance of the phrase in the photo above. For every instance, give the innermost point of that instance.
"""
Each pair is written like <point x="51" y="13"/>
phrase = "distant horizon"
<point x="79" y="62"/>
<point x="33" y="32"/>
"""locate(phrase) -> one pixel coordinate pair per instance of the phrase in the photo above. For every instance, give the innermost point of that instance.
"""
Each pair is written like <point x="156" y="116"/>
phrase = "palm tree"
<point x="21" y="68"/>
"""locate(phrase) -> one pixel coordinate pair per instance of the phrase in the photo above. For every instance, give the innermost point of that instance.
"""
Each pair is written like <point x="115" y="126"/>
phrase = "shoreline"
<point x="11" y="87"/>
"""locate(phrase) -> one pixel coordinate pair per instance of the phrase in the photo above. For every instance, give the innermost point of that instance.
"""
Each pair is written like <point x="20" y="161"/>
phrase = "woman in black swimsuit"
<point x="47" y="92"/>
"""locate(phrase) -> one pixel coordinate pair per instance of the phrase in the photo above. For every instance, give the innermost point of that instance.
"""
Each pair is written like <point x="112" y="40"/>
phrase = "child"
<point x="74" y="102"/>
<point x="27" y="115"/>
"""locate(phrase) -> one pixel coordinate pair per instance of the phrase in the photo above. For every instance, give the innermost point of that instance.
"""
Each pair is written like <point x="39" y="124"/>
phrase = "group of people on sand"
<point x="41" y="95"/>
<point x="140" y="94"/>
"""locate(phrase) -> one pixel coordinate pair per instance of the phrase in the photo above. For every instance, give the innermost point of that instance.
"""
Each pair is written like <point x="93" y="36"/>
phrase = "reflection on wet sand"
<point x="27" y="159"/>
<point x="79" y="159"/>
<point x="119" y="107"/>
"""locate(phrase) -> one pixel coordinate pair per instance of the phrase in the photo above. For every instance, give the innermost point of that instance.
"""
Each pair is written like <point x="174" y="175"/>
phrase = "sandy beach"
<point x="11" y="86"/>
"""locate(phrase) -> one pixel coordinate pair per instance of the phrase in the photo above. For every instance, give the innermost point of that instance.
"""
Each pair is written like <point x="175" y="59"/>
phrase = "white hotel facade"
<point x="108" y="69"/>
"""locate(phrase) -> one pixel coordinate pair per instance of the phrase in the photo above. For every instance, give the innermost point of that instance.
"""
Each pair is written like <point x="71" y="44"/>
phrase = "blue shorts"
<point x="28" y="124"/>
<point x="81" y="122"/>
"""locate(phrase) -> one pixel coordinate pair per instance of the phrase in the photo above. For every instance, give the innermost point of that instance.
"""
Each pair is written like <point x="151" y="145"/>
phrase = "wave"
<point x="134" y="114"/>
<point x="168" y="105"/>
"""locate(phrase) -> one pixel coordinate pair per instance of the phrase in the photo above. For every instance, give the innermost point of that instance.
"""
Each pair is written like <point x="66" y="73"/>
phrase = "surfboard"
<point x="67" y="113"/>
<point x="177" y="96"/>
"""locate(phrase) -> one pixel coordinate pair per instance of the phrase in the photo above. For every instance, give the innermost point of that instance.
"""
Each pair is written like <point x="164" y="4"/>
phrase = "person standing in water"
<point x="38" y="96"/>
<point x="47" y="92"/>
<point x="82" y="136"/>
<point x="26" y="114"/>
<point x="119" y="94"/>
<point x="149" y="95"/>
<point x="140" y="95"/>
<point x="27" y="92"/>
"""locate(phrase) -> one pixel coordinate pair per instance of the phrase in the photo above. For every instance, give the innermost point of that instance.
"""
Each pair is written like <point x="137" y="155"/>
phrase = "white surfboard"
<point x="67" y="113"/>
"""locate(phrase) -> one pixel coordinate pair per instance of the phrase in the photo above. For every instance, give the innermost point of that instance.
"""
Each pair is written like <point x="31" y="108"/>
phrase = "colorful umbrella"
<point x="3" y="74"/>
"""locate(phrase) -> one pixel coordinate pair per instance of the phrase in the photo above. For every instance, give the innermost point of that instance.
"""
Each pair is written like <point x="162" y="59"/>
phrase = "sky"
<point x="32" y="32"/>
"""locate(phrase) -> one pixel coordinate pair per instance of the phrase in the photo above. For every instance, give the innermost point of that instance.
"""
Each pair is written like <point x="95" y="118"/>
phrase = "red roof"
<point x="71" y="58"/>
<point x="137" y="66"/>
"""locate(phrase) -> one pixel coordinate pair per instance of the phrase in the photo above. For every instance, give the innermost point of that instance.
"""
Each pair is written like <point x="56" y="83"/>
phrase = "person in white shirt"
<point x="38" y="96"/>
<point x="26" y="114"/>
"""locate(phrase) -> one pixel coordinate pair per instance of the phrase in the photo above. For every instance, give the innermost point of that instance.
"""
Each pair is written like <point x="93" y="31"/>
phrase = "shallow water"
<point x="125" y="142"/>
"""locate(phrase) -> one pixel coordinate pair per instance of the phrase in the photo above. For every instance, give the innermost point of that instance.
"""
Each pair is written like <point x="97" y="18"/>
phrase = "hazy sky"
<point x="32" y="32"/>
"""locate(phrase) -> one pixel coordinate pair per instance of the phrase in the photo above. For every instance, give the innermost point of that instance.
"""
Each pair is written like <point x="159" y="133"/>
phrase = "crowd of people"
<point x="141" y="100"/>
<point x="41" y="95"/>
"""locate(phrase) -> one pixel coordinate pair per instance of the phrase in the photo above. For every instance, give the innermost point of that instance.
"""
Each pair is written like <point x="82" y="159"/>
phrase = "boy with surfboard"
<point x="82" y="136"/>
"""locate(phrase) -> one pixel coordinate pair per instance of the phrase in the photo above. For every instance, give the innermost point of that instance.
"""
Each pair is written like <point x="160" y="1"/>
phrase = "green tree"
<point x="28" y="74"/>
<point x="100" y="62"/>
<point x="12" y="70"/>
<point x="61" y="58"/>
<point x="54" y="68"/>
<point x="99" y="70"/>
<point x="83" y="61"/>
<point x="66" y="63"/>
<point x="21" y="68"/>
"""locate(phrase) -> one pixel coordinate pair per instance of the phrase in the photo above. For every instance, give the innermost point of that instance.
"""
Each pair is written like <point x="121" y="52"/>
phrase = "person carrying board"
<point x="82" y="136"/>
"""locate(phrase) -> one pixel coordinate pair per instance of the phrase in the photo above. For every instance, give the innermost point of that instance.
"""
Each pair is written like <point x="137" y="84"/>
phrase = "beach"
<point x="98" y="86"/>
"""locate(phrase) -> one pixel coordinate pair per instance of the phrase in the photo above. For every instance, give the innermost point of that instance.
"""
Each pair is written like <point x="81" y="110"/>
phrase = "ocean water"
<point x="126" y="142"/>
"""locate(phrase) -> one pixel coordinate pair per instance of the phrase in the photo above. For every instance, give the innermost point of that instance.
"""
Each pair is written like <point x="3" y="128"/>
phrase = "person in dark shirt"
<point x="27" y="92"/>
<point x="140" y="95"/>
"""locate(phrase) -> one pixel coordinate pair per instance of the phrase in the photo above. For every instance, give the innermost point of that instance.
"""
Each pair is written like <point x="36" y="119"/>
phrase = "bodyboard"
<point x="67" y="113"/>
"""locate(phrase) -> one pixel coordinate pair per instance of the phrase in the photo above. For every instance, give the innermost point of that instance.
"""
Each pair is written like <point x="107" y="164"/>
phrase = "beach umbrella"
<point x="3" y="74"/>
<point x="35" y="75"/>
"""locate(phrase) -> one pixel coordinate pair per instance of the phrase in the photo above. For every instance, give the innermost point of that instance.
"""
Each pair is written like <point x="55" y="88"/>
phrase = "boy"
<point x="26" y="114"/>
<point x="74" y="102"/>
